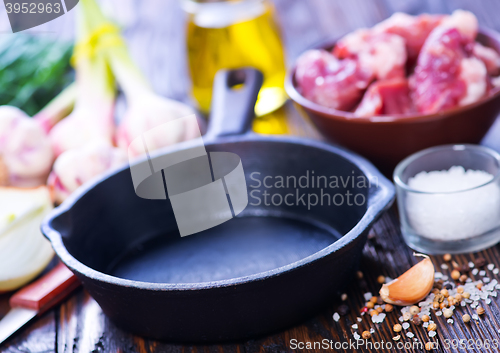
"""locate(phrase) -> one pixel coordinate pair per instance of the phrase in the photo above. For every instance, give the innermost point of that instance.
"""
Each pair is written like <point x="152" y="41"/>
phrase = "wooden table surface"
<point x="154" y="30"/>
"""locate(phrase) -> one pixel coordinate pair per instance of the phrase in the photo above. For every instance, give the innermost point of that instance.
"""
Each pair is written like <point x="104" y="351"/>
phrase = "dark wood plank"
<point x="83" y="327"/>
<point x="38" y="336"/>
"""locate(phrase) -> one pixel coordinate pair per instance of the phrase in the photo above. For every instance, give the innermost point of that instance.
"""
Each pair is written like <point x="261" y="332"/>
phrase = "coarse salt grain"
<point x="444" y="266"/>
<point x="490" y="267"/>
<point x="432" y="334"/>
<point x="406" y="325"/>
<point x="482" y="273"/>
<point x="356" y="336"/>
<point x="359" y="319"/>
<point x="435" y="216"/>
<point x="425" y="324"/>
<point x="475" y="271"/>
<point x="475" y="317"/>
<point x="488" y="301"/>
<point x="368" y="296"/>
<point x="496" y="271"/>
<point x="336" y="317"/>
<point x="471" y="264"/>
<point x="355" y="326"/>
<point x="450" y="321"/>
<point x="372" y="330"/>
<point x="486" y="280"/>
<point x="377" y="319"/>
<point x="410" y="335"/>
<point x="439" y="313"/>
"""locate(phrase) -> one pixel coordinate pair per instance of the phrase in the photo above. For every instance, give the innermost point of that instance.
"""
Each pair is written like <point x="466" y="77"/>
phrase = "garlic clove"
<point x="412" y="286"/>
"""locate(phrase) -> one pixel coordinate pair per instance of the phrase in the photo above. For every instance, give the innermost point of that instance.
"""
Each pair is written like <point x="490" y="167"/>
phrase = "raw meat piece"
<point x="413" y="29"/>
<point x="386" y="56"/>
<point x="382" y="53"/>
<point x="474" y="74"/>
<point x="386" y="97"/>
<point x="464" y="21"/>
<point x="489" y="56"/>
<point x="495" y="81"/>
<point x="330" y="82"/>
<point x="311" y="65"/>
<point x="436" y="84"/>
<point x="445" y="75"/>
<point x="351" y="44"/>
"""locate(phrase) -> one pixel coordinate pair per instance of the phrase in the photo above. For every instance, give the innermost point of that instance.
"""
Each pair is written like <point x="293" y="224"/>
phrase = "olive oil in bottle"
<point x="229" y="34"/>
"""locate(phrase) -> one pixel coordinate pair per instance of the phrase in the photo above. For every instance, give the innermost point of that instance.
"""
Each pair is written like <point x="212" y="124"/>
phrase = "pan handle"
<point x="233" y="103"/>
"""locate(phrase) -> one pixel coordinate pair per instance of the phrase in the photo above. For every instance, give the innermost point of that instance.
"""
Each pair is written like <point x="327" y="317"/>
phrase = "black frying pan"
<point x="266" y="269"/>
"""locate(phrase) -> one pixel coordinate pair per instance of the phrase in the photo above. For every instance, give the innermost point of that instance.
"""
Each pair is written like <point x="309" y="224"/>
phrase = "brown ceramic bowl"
<point x="386" y="140"/>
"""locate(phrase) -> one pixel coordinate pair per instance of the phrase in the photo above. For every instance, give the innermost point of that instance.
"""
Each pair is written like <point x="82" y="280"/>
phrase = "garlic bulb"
<point x="147" y="111"/>
<point x="25" y="148"/>
<point x="75" y="167"/>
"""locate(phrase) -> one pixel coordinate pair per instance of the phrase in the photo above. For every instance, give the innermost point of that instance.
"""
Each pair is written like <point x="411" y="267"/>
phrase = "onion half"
<point x="24" y="251"/>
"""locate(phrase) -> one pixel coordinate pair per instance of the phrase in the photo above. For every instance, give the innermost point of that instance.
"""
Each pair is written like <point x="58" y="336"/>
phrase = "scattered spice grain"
<point x="414" y="310"/>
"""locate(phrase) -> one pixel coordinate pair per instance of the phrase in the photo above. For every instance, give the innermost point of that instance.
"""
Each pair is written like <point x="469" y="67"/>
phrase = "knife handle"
<point x="46" y="292"/>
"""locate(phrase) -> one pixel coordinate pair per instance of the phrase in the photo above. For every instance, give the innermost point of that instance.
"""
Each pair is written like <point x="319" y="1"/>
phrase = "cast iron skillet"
<point x="266" y="269"/>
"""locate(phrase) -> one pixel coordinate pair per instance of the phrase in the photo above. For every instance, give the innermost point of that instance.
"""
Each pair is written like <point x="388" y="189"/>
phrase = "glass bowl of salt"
<point x="449" y="199"/>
